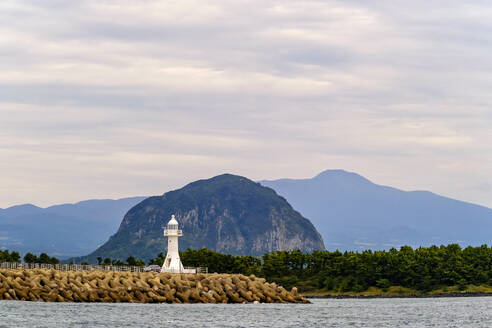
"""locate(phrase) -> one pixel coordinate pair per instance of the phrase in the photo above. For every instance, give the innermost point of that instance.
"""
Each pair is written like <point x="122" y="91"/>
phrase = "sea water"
<point x="422" y="312"/>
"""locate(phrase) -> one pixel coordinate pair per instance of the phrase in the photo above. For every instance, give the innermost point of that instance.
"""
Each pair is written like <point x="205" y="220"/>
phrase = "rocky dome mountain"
<point x="227" y="213"/>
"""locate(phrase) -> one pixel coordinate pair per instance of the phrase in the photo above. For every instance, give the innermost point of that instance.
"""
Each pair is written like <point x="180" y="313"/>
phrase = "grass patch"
<point x="467" y="289"/>
<point x="402" y="291"/>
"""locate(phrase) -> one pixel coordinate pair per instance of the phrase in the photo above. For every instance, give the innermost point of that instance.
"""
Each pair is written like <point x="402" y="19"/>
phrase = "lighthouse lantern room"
<point x="172" y="262"/>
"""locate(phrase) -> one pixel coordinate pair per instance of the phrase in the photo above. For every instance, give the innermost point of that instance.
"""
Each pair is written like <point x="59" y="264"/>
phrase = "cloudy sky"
<point x="106" y="99"/>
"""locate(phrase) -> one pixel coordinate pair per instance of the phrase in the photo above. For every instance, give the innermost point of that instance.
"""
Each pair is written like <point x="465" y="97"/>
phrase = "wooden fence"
<point x="80" y="267"/>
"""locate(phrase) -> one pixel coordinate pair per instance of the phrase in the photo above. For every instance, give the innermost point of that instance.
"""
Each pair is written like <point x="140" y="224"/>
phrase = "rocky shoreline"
<point x="440" y="295"/>
<point x="112" y="287"/>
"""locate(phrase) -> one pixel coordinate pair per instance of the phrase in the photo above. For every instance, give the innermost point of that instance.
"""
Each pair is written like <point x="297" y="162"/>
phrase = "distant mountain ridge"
<point x="62" y="230"/>
<point x="227" y="213"/>
<point x="352" y="212"/>
<point x="348" y="210"/>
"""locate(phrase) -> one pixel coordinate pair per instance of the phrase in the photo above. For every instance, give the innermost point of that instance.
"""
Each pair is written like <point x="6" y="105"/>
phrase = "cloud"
<point x="109" y="99"/>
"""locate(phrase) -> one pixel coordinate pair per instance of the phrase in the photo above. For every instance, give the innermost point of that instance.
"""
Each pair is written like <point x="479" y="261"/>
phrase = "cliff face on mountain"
<point x="227" y="213"/>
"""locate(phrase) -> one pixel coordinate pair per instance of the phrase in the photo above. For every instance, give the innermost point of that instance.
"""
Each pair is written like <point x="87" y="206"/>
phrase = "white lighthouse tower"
<point x="172" y="262"/>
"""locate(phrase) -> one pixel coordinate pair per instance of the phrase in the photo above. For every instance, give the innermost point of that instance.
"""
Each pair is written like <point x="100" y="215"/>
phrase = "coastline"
<point x="362" y="296"/>
<point x="402" y="292"/>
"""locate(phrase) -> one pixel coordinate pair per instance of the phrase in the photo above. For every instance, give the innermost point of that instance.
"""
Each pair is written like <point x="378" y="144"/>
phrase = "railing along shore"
<point x="81" y="267"/>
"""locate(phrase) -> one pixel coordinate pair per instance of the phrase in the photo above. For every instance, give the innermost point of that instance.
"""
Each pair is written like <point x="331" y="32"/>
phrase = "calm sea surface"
<point x="431" y="312"/>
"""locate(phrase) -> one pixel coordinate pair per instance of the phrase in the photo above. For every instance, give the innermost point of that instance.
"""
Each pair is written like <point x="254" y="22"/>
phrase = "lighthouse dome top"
<point x="172" y="224"/>
<point x="173" y="220"/>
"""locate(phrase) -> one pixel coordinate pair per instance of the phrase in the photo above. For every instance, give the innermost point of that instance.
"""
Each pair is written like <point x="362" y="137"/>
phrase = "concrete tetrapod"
<point x="135" y="287"/>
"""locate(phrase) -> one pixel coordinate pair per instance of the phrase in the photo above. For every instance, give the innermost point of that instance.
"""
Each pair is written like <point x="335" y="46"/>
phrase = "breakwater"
<point x="137" y="287"/>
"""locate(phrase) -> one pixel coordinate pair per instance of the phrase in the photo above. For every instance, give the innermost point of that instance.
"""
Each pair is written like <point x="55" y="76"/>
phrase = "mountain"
<point x="62" y="230"/>
<point x="227" y="213"/>
<point x="353" y="213"/>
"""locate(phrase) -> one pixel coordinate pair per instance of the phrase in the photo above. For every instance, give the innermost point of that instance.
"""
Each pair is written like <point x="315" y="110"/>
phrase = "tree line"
<point x="422" y="269"/>
<point x="43" y="258"/>
<point x="6" y="256"/>
<point x="130" y="261"/>
<point x="215" y="261"/>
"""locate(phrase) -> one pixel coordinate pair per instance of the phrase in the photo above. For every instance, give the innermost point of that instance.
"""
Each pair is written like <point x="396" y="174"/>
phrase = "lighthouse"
<point x="172" y="262"/>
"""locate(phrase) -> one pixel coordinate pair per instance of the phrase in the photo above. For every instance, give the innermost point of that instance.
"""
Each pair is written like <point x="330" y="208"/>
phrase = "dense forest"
<point x="421" y="269"/>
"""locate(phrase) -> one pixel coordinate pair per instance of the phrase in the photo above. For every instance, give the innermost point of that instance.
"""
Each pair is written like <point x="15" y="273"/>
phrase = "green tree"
<point x="30" y="258"/>
<point x="131" y="261"/>
<point x="14" y="257"/>
<point x="159" y="260"/>
<point x="44" y="258"/>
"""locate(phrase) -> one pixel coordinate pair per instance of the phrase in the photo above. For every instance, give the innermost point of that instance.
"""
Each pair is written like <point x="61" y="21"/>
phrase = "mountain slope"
<point x="62" y="230"/>
<point x="351" y="212"/>
<point x="226" y="213"/>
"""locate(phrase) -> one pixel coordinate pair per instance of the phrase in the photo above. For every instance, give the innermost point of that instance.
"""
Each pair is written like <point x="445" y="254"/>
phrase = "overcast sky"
<point x="106" y="99"/>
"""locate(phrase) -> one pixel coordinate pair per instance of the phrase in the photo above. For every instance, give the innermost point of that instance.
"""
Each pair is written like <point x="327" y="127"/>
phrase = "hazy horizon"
<point x="115" y="99"/>
<point x="136" y="196"/>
